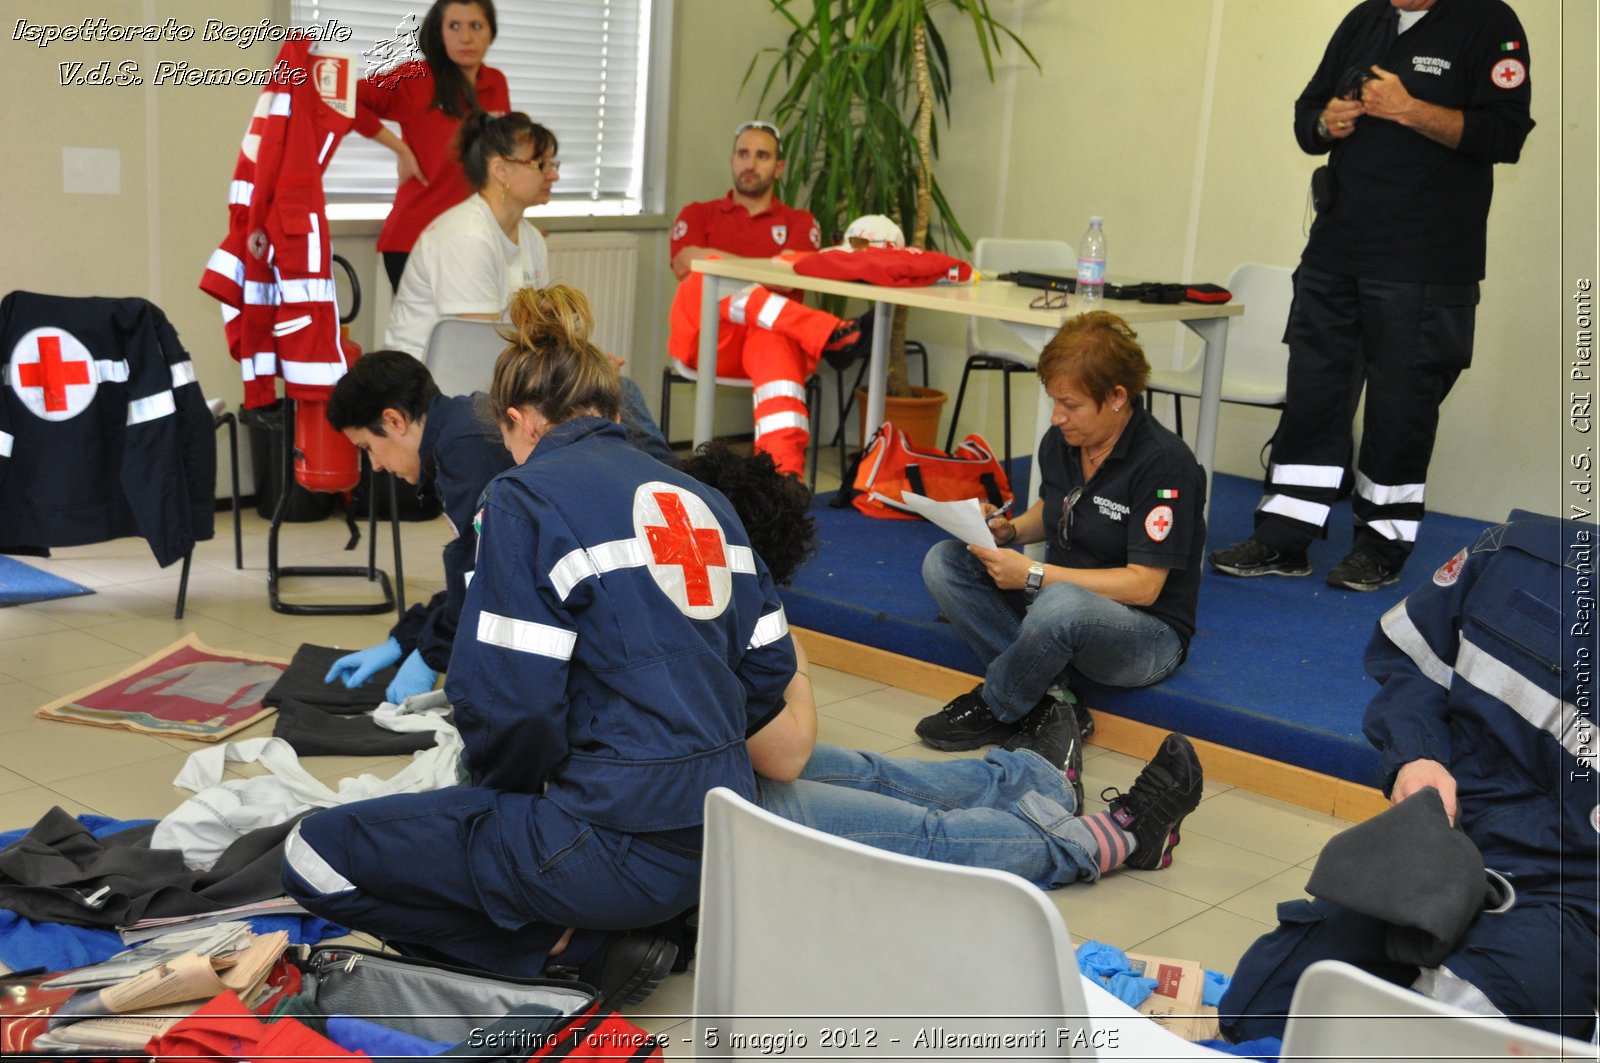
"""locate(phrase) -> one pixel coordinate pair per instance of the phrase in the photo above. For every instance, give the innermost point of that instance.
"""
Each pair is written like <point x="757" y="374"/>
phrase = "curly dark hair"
<point x="774" y="508"/>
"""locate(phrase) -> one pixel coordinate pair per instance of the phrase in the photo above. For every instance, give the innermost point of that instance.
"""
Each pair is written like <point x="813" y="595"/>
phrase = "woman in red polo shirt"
<point x="428" y="100"/>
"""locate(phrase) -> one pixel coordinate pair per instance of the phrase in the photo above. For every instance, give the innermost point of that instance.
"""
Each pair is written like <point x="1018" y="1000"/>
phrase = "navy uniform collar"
<point x="575" y="431"/>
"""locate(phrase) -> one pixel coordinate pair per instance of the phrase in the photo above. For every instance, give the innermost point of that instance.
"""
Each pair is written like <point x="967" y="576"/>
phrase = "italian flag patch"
<point x="1510" y="46"/>
<point x="1167" y="492"/>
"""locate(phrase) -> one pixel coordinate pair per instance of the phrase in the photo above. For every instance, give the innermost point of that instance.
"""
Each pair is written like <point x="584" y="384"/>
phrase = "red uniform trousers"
<point x="773" y="340"/>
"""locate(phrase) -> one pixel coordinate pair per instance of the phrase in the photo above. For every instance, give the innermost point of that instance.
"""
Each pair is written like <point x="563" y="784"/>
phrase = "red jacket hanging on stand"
<point x="272" y="273"/>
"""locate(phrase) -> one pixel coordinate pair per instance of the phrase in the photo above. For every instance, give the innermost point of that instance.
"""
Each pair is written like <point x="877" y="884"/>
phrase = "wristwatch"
<point x="1035" y="579"/>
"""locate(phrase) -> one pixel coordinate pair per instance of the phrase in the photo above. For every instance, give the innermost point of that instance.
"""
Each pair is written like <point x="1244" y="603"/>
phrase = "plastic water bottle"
<point x="1092" y="265"/>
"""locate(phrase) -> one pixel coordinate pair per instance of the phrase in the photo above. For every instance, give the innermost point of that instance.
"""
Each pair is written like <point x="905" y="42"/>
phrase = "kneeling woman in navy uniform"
<point x="618" y="643"/>
<point x="1122" y="513"/>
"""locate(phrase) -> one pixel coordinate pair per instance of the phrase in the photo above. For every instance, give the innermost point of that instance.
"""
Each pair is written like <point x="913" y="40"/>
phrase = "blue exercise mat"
<point x="1274" y="669"/>
<point x="21" y="584"/>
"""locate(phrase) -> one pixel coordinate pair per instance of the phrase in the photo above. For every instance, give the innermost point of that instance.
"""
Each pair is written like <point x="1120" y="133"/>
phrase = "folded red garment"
<point x="890" y="267"/>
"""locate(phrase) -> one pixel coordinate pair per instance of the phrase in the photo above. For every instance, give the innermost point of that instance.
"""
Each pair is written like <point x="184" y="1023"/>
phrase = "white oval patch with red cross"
<point x="53" y="374"/>
<point x="1450" y="571"/>
<point x="816" y="235"/>
<point x="680" y="230"/>
<point x="1509" y="73"/>
<point x="780" y="234"/>
<point x="1594" y="818"/>
<point x="1158" y="523"/>
<point x="684" y="548"/>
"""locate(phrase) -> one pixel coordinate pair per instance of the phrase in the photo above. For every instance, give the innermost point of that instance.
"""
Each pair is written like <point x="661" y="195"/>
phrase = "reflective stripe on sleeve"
<point x="111" y="370"/>
<point x="241" y="192"/>
<point x="183" y="373"/>
<point x="7" y="441"/>
<point x="307" y="290"/>
<point x="581" y="563"/>
<point x="229" y="266"/>
<point x="325" y="374"/>
<point x="1557" y="718"/>
<point x="769" y="629"/>
<point x="312" y="868"/>
<point x="740" y="559"/>
<point x="1398" y="626"/>
<point x="151" y="407"/>
<point x="525" y="636"/>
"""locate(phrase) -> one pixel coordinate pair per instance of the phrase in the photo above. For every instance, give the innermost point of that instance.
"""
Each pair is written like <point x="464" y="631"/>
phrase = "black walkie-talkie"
<point x="1048" y="281"/>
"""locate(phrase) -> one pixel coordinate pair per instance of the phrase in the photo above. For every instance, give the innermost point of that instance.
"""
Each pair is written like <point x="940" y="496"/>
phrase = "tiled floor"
<point x="1240" y="853"/>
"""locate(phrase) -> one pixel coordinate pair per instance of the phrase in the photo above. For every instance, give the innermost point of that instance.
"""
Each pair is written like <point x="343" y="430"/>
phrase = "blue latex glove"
<point x="1216" y="984"/>
<point x="414" y="677"/>
<point x="1131" y="989"/>
<point x="1099" y="960"/>
<point x="358" y="667"/>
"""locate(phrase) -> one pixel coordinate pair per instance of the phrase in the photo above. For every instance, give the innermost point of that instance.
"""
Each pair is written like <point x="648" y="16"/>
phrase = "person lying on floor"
<point x="1014" y="810"/>
<point x="1122" y="511"/>
<point x="389" y="406"/>
<point x="620" y="642"/>
<point x="1484" y="676"/>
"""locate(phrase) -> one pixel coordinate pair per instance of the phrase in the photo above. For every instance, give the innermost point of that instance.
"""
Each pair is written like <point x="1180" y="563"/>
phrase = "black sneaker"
<point x="965" y="723"/>
<point x="1166" y="791"/>
<point x="1067" y="696"/>
<point x="1255" y="558"/>
<point x="628" y="968"/>
<point x="1360" y="571"/>
<point x="1051" y="730"/>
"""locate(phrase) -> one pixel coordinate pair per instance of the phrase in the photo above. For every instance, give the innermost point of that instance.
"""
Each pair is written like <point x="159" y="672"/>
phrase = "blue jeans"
<point x="1011" y="811"/>
<point x="1026" y="647"/>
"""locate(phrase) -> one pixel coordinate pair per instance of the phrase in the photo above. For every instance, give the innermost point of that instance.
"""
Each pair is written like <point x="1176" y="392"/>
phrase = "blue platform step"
<point x="1275" y="668"/>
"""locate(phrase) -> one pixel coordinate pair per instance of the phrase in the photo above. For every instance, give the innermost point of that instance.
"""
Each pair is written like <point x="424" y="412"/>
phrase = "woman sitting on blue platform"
<point x="1121" y="511"/>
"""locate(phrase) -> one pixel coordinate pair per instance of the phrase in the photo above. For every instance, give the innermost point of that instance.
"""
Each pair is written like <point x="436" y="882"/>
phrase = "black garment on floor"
<point x="314" y="731"/>
<point x="1408" y="867"/>
<point x="60" y="873"/>
<point x="302" y="682"/>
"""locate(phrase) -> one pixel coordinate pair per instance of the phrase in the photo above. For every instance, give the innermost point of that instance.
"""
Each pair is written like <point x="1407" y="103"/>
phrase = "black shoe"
<point x="1051" y="730"/>
<point x="1255" y="558"/>
<point x="1067" y="696"/>
<point x="1360" y="571"/>
<point x="845" y="336"/>
<point x="965" y="723"/>
<point x="1166" y="791"/>
<point x="629" y="967"/>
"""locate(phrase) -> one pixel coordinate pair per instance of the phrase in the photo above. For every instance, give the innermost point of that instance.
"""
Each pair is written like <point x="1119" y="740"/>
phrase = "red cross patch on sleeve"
<point x="1158" y="523"/>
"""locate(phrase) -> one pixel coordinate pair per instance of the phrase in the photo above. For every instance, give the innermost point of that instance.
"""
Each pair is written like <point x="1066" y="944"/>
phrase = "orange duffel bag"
<point x="890" y="466"/>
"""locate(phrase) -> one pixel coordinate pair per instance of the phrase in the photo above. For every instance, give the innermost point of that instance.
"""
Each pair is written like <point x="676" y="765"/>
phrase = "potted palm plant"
<point x="855" y="89"/>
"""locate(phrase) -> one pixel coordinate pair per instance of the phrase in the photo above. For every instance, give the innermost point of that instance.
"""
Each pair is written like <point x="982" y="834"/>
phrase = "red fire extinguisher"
<point x="324" y="460"/>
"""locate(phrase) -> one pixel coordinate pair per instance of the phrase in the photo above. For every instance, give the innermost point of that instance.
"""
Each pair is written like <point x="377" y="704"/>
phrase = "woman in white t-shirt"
<point x="469" y="259"/>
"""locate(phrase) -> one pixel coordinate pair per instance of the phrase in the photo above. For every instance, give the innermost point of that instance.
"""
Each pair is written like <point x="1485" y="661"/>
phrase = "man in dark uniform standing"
<point x="1415" y="101"/>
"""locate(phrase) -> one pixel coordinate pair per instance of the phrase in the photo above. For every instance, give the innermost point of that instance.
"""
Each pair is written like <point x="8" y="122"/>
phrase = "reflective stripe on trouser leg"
<point x="778" y="369"/>
<point x="759" y="308"/>
<point x="1417" y="338"/>
<point x="1312" y="443"/>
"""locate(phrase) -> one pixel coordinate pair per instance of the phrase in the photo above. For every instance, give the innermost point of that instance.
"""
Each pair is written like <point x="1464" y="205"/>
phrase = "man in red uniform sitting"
<point x="768" y="336"/>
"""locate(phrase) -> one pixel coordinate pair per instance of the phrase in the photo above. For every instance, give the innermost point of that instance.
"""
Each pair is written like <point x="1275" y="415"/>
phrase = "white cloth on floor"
<point x="221" y="811"/>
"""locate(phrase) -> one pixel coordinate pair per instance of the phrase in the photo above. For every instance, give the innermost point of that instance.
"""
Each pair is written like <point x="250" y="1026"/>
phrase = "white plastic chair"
<point x="992" y="345"/>
<point x="803" y="931"/>
<point x="1256" y="372"/>
<point x="1342" y="1012"/>
<point x="461" y="354"/>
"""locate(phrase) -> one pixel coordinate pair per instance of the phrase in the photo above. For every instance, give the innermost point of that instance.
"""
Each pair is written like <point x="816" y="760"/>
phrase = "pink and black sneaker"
<point x="1166" y="791"/>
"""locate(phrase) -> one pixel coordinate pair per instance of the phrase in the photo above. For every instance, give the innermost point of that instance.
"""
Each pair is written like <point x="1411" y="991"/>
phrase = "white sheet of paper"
<point x="963" y="519"/>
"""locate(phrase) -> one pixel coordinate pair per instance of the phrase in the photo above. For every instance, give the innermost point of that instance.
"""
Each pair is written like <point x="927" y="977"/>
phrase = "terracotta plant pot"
<point x="917" y="417"/>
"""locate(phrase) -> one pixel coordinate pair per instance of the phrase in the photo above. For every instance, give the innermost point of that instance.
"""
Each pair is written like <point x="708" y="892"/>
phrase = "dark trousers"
<point x="482" y="878"/>
<point x="1404" y="343"/>
<point x="1534" y="963"/>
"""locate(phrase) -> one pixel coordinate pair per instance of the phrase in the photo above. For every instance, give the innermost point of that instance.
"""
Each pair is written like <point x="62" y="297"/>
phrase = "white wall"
<point x="1188" y="155"/>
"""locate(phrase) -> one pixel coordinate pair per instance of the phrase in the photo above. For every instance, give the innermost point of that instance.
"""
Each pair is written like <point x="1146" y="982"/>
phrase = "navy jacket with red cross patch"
<point x="104" y="432"/>
<point x="620" y="638"/>
<point x="1488" y="668"/>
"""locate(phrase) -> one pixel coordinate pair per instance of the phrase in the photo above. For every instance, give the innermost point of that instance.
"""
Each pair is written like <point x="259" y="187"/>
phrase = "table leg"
<point x="878" y="369"/>
<point x="1214" y="332"/>
<point x="705" y="392"/>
